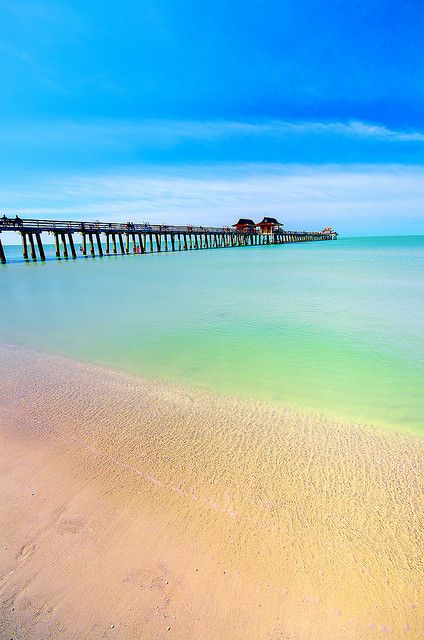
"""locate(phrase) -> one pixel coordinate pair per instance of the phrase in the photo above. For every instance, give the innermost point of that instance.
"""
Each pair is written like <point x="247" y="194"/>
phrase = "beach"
<point x="211" y="320"/>
<point x="134" y="508"/>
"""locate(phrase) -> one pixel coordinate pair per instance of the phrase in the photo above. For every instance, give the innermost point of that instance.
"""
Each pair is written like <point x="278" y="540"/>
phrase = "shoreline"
<point x="131" y="375"/>
<point x="239" y="519"/>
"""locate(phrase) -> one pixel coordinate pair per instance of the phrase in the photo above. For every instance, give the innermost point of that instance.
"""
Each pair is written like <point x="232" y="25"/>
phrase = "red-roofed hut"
<point x="268" y="225"/>
<point x="245" y="225"/>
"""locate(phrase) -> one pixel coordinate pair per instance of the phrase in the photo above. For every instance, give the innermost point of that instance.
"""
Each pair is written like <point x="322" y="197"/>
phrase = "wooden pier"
<point x="90" y="239"/>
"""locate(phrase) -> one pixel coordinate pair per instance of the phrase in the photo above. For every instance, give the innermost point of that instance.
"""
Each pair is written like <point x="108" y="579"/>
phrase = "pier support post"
<point x="172" y="242"/>
<point x="64" y="245"/>
<point x="114" y="243"/>
<point x="24" y="246"/>
<point x="72" y="246"/>
<point x="2" y="254"/>
<point x="57" y="245"/>
<point x="40" y="247"/>
<point x="84" y="244"/>
<point x="140" y="239"/>
<point x="121" y="243"/>
<point x="90" y="238"/>
<point x="158" y="242"/>
<point x="32" y="246"/>
<point x="107" y="242"/>
<point x="99" y="244"/>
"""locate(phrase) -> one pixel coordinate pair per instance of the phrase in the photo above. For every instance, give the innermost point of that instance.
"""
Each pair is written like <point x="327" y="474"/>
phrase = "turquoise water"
<point x="336" y="327"/>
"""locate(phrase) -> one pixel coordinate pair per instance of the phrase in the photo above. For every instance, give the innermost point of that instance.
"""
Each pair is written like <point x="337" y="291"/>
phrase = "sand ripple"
<point x="308" y="527"/>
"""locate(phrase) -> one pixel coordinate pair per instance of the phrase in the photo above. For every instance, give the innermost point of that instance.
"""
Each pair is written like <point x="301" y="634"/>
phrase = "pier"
<point x="91" y="239"/>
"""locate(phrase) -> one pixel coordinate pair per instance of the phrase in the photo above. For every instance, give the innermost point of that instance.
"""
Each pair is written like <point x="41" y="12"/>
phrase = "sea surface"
<point x="332" y="327"/>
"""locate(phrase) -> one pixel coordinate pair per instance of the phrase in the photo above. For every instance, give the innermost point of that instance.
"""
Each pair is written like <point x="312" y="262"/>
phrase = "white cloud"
<point x="361" y="199"/>
<point x="165" y="133"/>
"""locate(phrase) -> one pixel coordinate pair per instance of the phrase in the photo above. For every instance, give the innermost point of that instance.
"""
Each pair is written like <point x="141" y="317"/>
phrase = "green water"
<point x="336" y="327"/>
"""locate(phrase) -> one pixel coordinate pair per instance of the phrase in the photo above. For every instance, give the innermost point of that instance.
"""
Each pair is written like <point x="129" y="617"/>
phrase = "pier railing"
<point x="29" y="224"/>
<point x="100" y="238"/>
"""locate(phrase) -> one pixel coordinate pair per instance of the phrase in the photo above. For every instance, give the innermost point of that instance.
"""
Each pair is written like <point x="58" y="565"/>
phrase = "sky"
<point x="201" y="112"/>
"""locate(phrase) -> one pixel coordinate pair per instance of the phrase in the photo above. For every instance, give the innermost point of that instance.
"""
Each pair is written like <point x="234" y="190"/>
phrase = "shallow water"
<point x="246" y="520"/>
<point x="336" y="327"/>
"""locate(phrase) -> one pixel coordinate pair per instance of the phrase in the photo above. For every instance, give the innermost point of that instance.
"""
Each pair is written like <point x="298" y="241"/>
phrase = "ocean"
<point x="336" y="328"/>
<point x="214" y="444"/>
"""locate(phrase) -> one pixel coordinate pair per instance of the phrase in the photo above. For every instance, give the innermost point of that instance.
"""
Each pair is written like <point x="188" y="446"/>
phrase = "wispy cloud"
<point x="171" y="132"/>
<point x="355" y="199"/>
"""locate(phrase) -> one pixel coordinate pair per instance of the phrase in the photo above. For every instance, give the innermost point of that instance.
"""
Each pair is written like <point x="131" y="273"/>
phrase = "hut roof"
<point x="246" y="221"/>
<point x="269" y="221"/>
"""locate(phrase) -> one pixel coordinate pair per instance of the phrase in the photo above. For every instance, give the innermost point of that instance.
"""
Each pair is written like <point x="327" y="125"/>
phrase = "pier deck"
<point x="112" y="238"/>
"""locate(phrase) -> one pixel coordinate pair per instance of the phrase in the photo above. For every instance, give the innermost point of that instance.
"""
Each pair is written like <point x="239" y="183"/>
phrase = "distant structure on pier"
<point x="245" y="225"/>
<point x="269" y="225"/>
<point x="266" y="227"/>
<point x="329" y="231"/>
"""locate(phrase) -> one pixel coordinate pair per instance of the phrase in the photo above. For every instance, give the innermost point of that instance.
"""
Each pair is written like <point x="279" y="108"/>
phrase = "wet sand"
<point x="131" y="509"/>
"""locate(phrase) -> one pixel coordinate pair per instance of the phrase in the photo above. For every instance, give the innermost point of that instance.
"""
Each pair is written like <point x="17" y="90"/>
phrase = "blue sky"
<point x="203" y="111"/>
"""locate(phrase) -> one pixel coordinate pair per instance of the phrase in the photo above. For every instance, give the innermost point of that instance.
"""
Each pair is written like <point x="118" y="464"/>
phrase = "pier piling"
<point x="24" y="246"/>
<point x="2" y="254"/>
<point x="40" y="247"/>
<point x="99" y="244"/>
<point x="72" y="246"/>
<point x="64" y="245"/>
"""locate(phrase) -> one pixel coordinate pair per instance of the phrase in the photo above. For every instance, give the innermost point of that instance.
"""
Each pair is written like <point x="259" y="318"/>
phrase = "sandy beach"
<point x="131" y="509"/>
